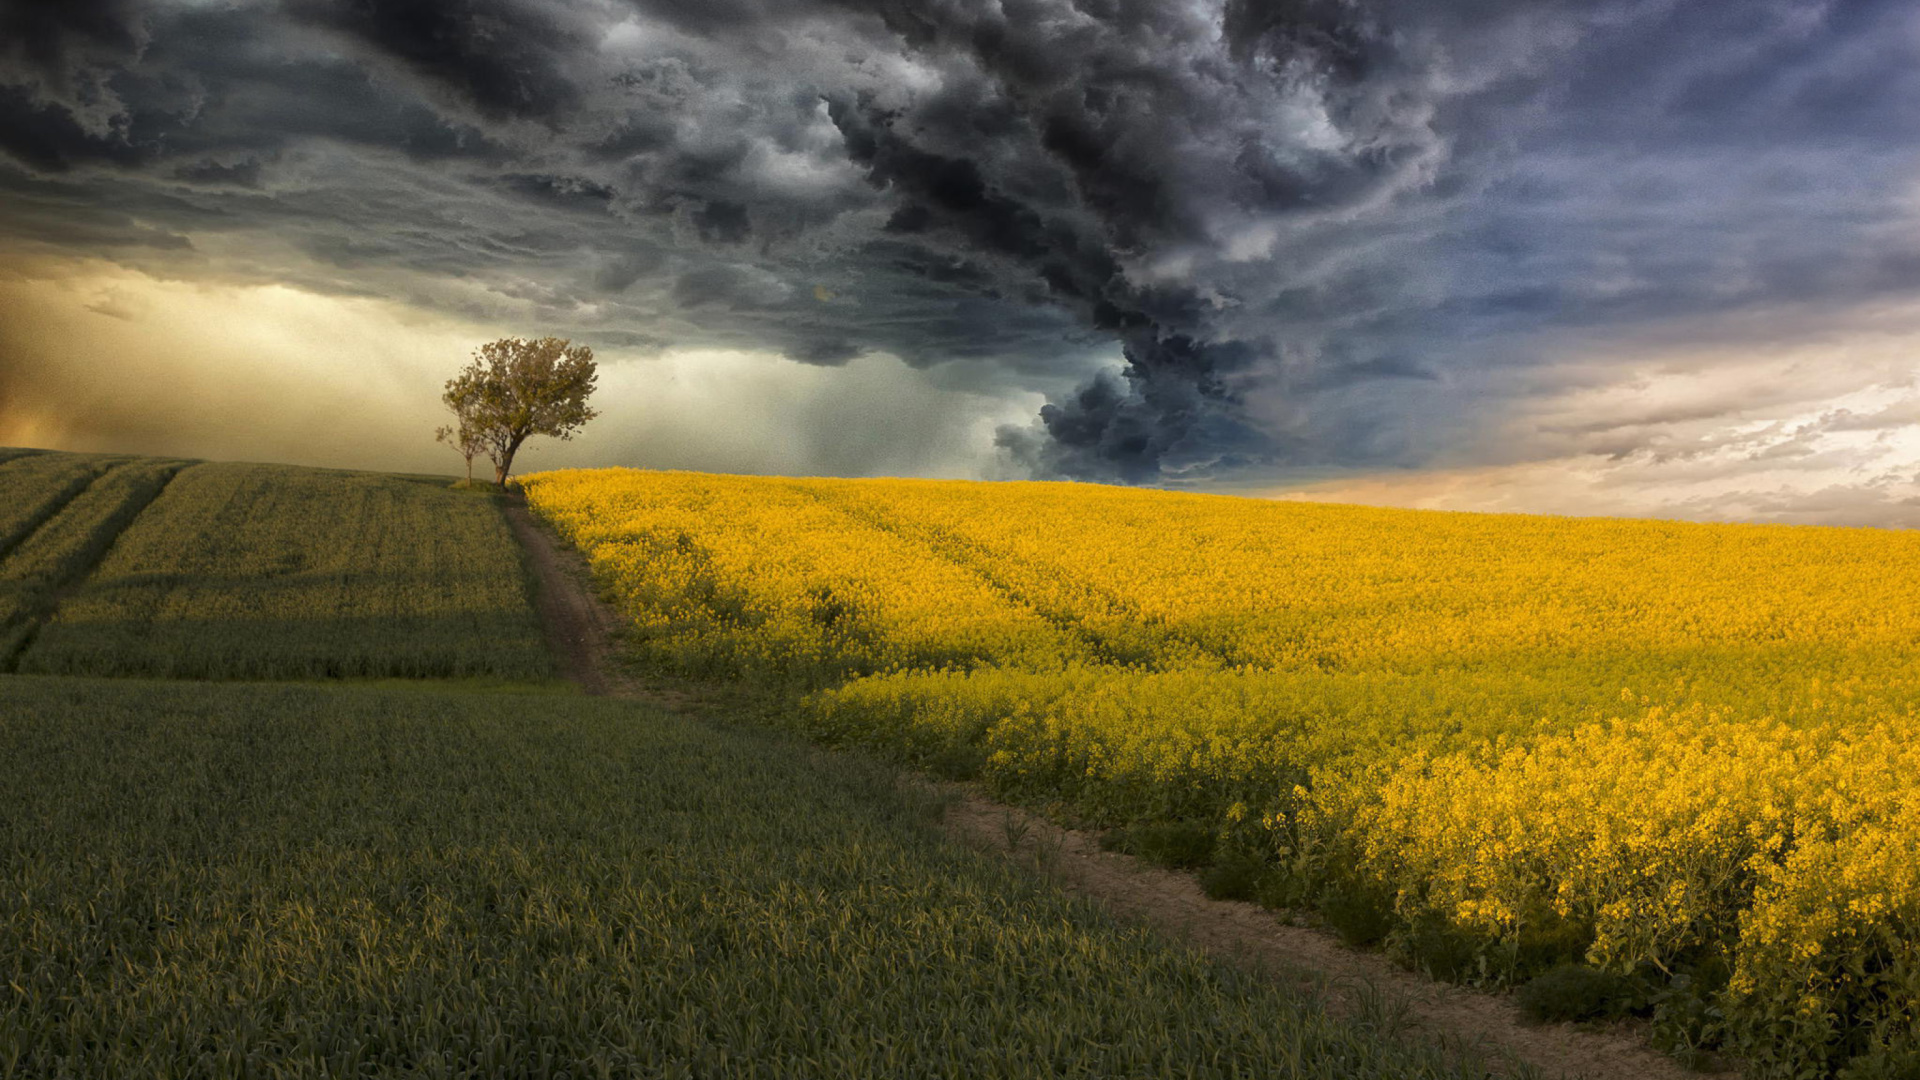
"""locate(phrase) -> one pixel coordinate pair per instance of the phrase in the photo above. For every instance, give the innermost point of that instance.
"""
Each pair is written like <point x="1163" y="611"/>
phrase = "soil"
<point x="583" y="631"/>
<point x="579" y="627"/>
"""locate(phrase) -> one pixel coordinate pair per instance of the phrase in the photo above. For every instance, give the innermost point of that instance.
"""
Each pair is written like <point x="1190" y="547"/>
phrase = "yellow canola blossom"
<point x="1796" y="849"/>
<point x="739" y="574"/>
<point x="1668" y="740"/>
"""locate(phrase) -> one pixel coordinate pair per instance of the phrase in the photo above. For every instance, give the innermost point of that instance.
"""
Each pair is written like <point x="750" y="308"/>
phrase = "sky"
<point x="1609" y="257"/>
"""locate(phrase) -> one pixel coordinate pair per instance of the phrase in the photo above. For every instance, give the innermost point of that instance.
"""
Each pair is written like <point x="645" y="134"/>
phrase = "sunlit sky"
<point x="1590" y="258"/>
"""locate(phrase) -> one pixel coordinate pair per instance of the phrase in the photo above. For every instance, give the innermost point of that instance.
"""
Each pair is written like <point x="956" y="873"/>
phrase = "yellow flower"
<point x="1683" y="737"/>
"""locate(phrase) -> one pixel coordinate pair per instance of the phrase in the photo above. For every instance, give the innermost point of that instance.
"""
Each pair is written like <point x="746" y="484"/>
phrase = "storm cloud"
<point x="1225" y="238"/>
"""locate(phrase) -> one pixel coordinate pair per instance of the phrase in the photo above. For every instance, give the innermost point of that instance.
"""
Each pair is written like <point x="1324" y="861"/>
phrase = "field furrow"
<point x="720" y="578"/>
<point x="57" y="555"/>
<point x="254" y="571"/>
<point x="35" y="487"/>
<point x="1111" y="627"/>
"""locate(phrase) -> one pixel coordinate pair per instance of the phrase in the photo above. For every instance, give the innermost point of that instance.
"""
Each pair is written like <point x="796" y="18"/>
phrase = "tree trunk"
<point x="505" y="465"/>
<point x="469" y="468"/>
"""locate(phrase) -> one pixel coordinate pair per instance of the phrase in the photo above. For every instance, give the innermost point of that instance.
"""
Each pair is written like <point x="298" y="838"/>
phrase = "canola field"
<point x="1683" y="754"/>
<point x="242" y="571"/>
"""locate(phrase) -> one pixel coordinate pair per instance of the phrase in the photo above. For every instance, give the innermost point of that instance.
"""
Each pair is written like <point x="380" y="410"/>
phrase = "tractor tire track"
<point x="42" y="596"/>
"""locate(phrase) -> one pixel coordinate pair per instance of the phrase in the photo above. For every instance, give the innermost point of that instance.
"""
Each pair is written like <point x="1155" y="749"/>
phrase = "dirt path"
<point x="582" y="630"/>
<point x="1172" y="902"/>
<point x="579" y="627"/>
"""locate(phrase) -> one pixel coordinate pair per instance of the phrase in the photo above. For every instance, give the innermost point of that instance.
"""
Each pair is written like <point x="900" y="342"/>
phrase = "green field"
<point x="69" y="538"/>
<point x="431" y="879"/>
<point x="225" y="880"/>
<point x="33" y="488"/>
<point x="261" y="571"/>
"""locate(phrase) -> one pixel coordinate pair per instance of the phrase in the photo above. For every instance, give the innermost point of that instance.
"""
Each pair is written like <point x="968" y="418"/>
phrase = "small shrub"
<point x="1234" y="878"/>
<point x="956" y="762"/>
<point x="1181" y="845"/>
<point x="1883" y="1064"/>
<point x="1576" y="992"/>
<point x="1437" y="947"/>
<point x="1359" y="911"/>
<point x="1688" y="1022"/>
<point x="1278" y="888"/>
<point x="1548" y="940"/>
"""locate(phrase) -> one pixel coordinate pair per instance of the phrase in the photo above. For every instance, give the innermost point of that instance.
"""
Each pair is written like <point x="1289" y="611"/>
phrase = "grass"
<point x="263" y="571"/>
<point x="66" y="544"/>
<point x="33" y="488"/>
<point x="227" y="880"/>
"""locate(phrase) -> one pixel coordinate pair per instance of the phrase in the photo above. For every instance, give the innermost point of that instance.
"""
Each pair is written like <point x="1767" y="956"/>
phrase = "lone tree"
<point x="515" y="389"/>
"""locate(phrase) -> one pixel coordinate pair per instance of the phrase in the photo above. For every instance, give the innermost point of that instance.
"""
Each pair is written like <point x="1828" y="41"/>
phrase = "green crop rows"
<point x="33" y="488"/>
<point x="260" y="571"/>
<point x="236" y="880"/>
<point x="68" y="541"/>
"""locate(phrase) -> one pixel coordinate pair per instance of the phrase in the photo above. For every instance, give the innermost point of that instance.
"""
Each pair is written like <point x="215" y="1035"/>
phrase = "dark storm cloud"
<point x="49" y="136"/>
<point x="507" y="58"/>
<point x="1302" y="226"/>
<point x="55" y="42"/>
<point x="1099" y="166"/>
<point x="244" y="173"/>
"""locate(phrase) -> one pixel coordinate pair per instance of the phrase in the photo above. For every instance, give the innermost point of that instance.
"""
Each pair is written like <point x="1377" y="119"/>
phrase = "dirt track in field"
<point x="579" y="627"/>
<point x="581" y="630"/>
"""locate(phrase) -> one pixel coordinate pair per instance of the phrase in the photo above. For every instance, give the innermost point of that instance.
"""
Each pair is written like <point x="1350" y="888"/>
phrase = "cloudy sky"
<point x="1626" y="257"/>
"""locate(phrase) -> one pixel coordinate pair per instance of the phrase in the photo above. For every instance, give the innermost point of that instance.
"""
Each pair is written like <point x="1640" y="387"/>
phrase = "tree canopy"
<point x="516" y="388"/>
